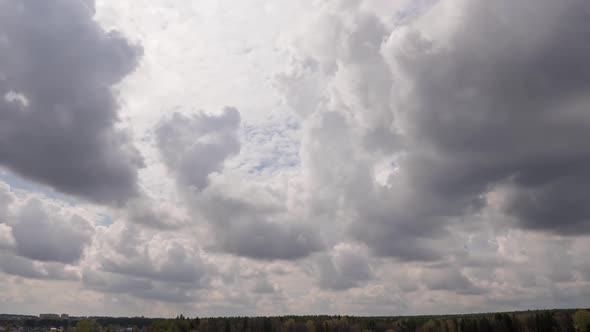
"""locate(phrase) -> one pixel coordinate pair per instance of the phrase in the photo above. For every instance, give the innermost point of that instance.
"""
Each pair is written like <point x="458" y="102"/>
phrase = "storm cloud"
<point x="479" y="115"/>
<point x="500" y="108"/>
<point x="57" y="109"/>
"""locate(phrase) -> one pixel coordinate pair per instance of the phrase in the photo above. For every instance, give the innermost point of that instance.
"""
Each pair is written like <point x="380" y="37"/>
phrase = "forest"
<point x="571" y="320"/>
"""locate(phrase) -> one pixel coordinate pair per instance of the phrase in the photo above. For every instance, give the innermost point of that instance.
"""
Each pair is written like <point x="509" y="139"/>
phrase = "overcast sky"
<point x="267" y="157"/>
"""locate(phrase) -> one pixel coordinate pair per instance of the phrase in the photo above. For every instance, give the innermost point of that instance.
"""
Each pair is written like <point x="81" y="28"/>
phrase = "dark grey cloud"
<point x="23" y="267"/>
<point x="137" y="287"/>
<point x="45" y="235"/>
<point x="345" y="268"/>
<point x="57" y="111"/>
<point x="501" y="105"/>
<point x="483" y="114"/>
<point x="494" y="117"/>
<point x="6" y="199"/>
<point x="263" y="286"/>
<point x="246" y="229"/>
<point x="114" y="283"/>
<point x="268" y="240"/>
<point x="195" y="146"/>
<point x="450" y="279"/>
<point x="176" y="266"/>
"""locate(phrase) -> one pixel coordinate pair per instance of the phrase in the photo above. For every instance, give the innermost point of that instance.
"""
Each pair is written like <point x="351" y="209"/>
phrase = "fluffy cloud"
<point x="137" y="287"/>
<point x="149" y="212"/>
<point x="45" y="235"/>
<point x="245" y="221"/>
<point x="194" y="147"/>
<point x="23" y="267"/>
<point x="427" y="156"/>
<point x="57" y="110"/>
<point x="41" y="239"/>
<point x="257" y="226"/>
<point x="127" y="259"/>
<point x="466" y="116"/>
<point x="6" y="237"/>
<point x="498" y="104"/>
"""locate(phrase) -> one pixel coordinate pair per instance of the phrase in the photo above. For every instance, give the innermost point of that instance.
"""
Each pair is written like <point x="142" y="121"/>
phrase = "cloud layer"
<point x="381" y="158"/>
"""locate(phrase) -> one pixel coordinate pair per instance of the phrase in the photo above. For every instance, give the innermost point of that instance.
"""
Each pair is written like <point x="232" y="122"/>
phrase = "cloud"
<point x="344" y="268"/>
<point x="478" y="115"/>
<point x="174" y="265"/>
<point x="114" y="283"/>
<point x="23" y="267"/>
<point x="57" y="111"/>
<point x="263" y="286"/>
<point x="149" y="212"/>
<point x="147" y="254"/>
<point x="147" y="263"/>
<point x="256" y="227"/>
<point x="6" y="237"/>
<point x="451" y="280"/>
<point x="196" y="146"/>
<point x="42" y="232"/>
<point x="417" y="157"/>
<point x="6" y="199"/>
<point x="140" y="288"/>
<point x="242" y="221"/>
<point x="485" y="113"/>
<point x="268" y="241"/>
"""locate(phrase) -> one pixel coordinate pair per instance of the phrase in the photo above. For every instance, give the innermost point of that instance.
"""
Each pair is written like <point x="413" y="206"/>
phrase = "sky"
<point x="270" y="157"/>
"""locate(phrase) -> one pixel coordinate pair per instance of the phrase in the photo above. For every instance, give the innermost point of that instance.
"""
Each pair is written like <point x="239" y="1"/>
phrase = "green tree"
<point x="582" y="320"/>
<point x="290" y="325"/>
<point x="87" y="325"/>
<point x="310" y="325"/>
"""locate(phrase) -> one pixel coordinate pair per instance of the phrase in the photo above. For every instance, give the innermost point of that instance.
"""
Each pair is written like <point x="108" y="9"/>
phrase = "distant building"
<point x="49" y="316"/>
<point x="65" y="316"/>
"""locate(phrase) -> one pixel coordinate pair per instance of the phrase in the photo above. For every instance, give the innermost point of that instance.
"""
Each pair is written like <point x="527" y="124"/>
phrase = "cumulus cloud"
<point x="267" y="240"/>
<point x="41" y="239"/>
<point x="42" y="232"/>
<point x="6" y="237"/>
<point x="498" y="104"/>
<point x="57" y="110"/>
<point x="257" y="227"/>
<point x="145" y="263"/>
<point x="263" y="286"/>
<point x="344" y="268"/>
<point x="113" y="283"/>
<point x="435" y="158"/>
<point x="170" y="264"/>
<point x="149" y="212"/>
<point x="246" y="222"/>
<point x="483" y="113"/>
<point x="449" y="279"/>
<point x="196" y="146"/>
<point x="23" y="267"/>
<point x="6" y="198"/>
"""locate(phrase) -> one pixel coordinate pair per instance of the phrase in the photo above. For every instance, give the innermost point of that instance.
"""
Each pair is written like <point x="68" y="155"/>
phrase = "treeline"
<point x="529" y="321"/>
